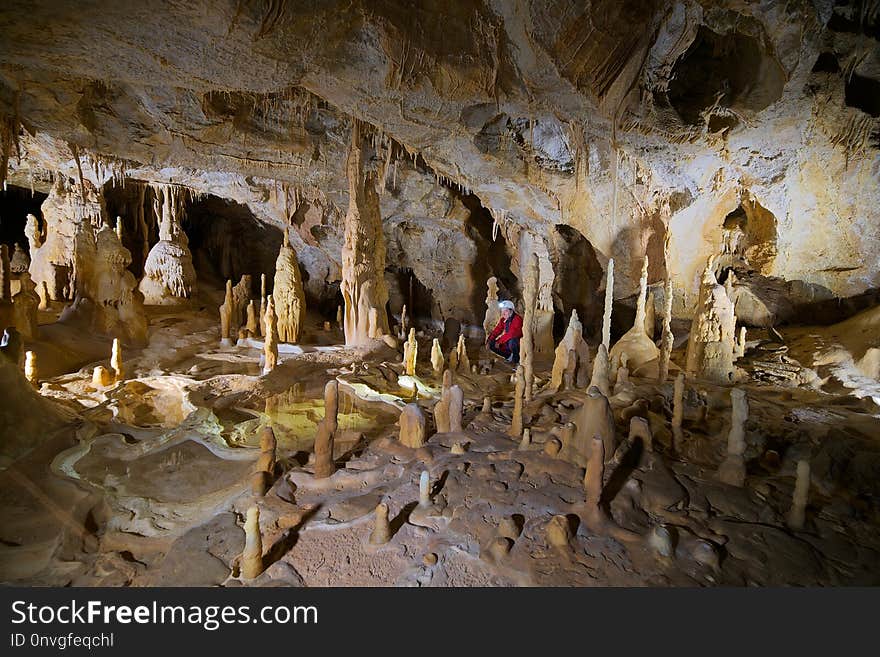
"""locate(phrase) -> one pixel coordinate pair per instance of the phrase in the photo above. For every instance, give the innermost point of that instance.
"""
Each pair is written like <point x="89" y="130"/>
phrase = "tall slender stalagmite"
<point x="609" y="301"/>
<point x="666" y="337"/>
<point x="527" y="345"/>
<point x="363" y="253"/>
<point x="252" y="557"/>
<point x="270" y="342"/>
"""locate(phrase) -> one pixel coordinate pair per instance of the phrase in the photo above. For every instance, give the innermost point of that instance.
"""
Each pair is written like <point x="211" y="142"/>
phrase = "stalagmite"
<point x="593" y="418"/>
<point x="30" y="367"/>
<point x="640" y="428"/>
<point x="410" y="353"/>
<point x="102" y="377"/>
<point x="572" y="353"/>
<point x="516" y="422"/>
<point x="558" y="532"/>
<point x="441" y="408"/>
<point x="463" y="362"/>
<point x="733" y="469"/>
<point x="241" y="296"/>
<point x="741" y="343"/>
<point x="262" y="321"/>
<point x="677" y="409"/>
<point x="609" y="302"/>
<point x="526" y="441"/>
<point x="796" y="515"/>
<point x="650" y="317"/>
<point x="527" y="345"/>
<point x="666" y="337"/>
<point x="252" y="557"/>
<point x="363" y="253"/>
<point x="599" y="379"/>
<point x="636" y="343"/>
<point x="713" y="332"/>
<point x="116" y="361"/>
<point x="26" y="303"/>
<point x="487" y="406"/>
<point x="324" y="438"/>
<point x="20" y="261"/>
<point x="456" y="407"/>
<point x="594" y="476"/>
<point x="169" y="275"/>
<point x="404" y="323"/>
<point x="381" y="533"/>
<point x="660" y="540"/>
<point x="270" y="340"/>
<point x="424" y="489"/>
<point x="261" y="479"/>
<point x="119" y="228"/>
<point x="251" y="325"/>
<point x="227" y="310"/>
<point x="412" y="426"/>
<point x="493" y="312"/>
<point x="7" y="310"/>
<point x="437" y="360"/>
<point x="287" y="290"/>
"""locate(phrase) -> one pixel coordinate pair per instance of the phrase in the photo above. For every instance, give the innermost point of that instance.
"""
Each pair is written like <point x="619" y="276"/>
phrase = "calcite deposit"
<point x="680" y="199"/>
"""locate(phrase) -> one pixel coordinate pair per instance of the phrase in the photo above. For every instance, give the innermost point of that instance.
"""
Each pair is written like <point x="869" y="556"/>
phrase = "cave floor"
<point x="149" y="483"/>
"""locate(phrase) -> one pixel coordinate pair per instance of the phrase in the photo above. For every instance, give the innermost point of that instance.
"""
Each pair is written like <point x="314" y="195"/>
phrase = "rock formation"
<point x="410" y="353"/>
<point x="270" y="340"/>
<point x="796" y="515"/>
<point x="381" y="533"/>
<point x="516" y="422"/>
<point x="593" y="419"/>
<point x="116" y="365"/>
<point x="31" y="373"/>
<point x="26" y="302"/>
<point x="636" y="343"/>
<point x="227" y="312"/>
<point x="713" y="332"/>
<point x="117" y="307"/>
<point x="733" y="469"/>
<point x="527" y="344"/>
<point x="252" y="557"/>
<point x="7" y="309"/>
<point x="169" y="275"/>
<point x="290" y="300"/>
<point x="456" y="407"/>
<point x="666" y="337"/>
<point x="102" y="377"/>
<point x="412" y="426"/>
<point x="493" y="312"/>
<point x="20" y="261"/>
<point x="363" y="254"/>
<point x="609" y="303"/>
<point x="324" y="438"/>
<point x="437" y="360"/>
<point x="424" y="490"/>
<point x="463" y="362"/>
<point x="571" y="349"/>
<point x="600" y="378"/>
<point x="264" y="470"/>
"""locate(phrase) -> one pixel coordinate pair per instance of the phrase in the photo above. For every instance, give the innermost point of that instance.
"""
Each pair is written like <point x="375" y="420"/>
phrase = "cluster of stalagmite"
<point x="712" y="342"/>
<point x="117" y="305"/>
<point x="363" y="254"/>
<point x="448" y="409"/>
<point x="412" y="426"/>
<point x="287" y="291"/>
<point x="324" y="437"/>
<point x="572" y="359"/>
<point x="169" y="275"/>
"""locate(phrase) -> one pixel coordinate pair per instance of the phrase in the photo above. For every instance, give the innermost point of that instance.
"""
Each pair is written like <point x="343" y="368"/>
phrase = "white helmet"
<point x="506" y="304"/>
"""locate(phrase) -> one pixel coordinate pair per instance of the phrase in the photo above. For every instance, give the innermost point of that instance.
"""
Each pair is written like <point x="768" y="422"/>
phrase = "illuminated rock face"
<point x="788" y="142"/>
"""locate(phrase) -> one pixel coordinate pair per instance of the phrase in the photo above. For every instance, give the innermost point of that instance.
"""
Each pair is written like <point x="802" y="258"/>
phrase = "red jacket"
<point x="514" y="330"/>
